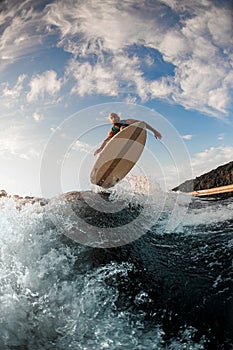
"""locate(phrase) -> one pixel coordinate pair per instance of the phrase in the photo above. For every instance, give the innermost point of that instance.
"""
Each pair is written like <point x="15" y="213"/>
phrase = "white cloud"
<point x="16" y="141"/>
<point x="30" y="154"/>
<point x="221" y="137"/>
<point x="173" y="46"/>
<point x="37" y="117"/>
<point x="196" y="38"/>
<point x="82" y="146"/>
<point x="103" y="25"/>
<point x="92" y="79"/>
<point x="187" y="137"/>
<point x="46" y="83"/>
<point x="211" y="158"/>
<point x="131" y="99"/>
<point x="163" y="88"/>
<point x="108" y="79"/>
<point x="16" y="90"/>
<point x="21" y="35"/>
<point x="11" y="94"/>
<point x="200" y="163"/>
<point x="197" y="45"/>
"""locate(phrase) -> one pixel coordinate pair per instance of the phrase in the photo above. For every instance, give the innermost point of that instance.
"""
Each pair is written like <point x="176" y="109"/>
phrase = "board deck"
<point x="119" y="155"/>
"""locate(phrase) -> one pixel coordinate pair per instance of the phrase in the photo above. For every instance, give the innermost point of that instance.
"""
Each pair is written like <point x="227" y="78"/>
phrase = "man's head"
<point x="114" y="118"/>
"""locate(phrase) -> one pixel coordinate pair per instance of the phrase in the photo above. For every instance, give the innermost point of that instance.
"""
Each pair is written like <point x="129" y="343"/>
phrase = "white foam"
<point x="45" y="300"/>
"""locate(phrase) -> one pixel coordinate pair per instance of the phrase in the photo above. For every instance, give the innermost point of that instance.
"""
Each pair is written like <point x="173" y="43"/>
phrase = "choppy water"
<point x="169" y="289"/>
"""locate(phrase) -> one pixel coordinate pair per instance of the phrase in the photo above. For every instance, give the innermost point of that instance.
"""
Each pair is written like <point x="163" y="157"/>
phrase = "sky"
<point x="65" y="65"/>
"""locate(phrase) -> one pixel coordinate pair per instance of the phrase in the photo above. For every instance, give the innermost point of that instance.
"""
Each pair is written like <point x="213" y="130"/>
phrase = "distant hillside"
<point x="221" y="176"/>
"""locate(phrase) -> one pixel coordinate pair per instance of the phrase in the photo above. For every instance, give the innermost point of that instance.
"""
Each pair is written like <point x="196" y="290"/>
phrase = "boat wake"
<point x="122" y="269"/>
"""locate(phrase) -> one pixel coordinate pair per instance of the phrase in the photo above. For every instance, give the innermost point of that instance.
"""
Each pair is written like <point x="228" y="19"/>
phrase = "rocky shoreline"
<point x="221" y="176"/>
<point x="24" y="200"/>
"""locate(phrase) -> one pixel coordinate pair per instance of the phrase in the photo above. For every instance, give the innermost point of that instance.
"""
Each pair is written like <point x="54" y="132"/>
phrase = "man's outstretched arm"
<point x="110" y="135"/>
<point x="101" y="147"/>
<point x="148" y="126"/>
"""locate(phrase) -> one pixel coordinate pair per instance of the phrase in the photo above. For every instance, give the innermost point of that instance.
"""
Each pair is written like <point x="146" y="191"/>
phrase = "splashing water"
<point x="58" y="294"/>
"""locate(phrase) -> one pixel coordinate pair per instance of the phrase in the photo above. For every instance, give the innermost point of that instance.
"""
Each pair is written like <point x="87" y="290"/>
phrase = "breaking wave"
<point x="166" y="287"/>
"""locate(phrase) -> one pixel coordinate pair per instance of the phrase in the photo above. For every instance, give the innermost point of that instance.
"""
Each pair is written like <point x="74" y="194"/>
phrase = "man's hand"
<point x="97" y="151"/>
<point x="157" y="135"/>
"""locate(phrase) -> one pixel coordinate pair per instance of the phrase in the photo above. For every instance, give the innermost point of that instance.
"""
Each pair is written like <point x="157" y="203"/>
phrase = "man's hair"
<point x="113" y="115"/>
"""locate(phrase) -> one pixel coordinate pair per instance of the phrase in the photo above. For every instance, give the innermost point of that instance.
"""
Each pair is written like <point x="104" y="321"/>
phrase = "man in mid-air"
<point x="118" y="125"/>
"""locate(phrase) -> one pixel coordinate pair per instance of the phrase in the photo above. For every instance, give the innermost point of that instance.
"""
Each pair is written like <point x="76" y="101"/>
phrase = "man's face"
<point x="114" y="118"/>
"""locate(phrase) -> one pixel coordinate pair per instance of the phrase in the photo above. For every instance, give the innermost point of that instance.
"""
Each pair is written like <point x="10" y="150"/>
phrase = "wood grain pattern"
<point x="119" y="155"/>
